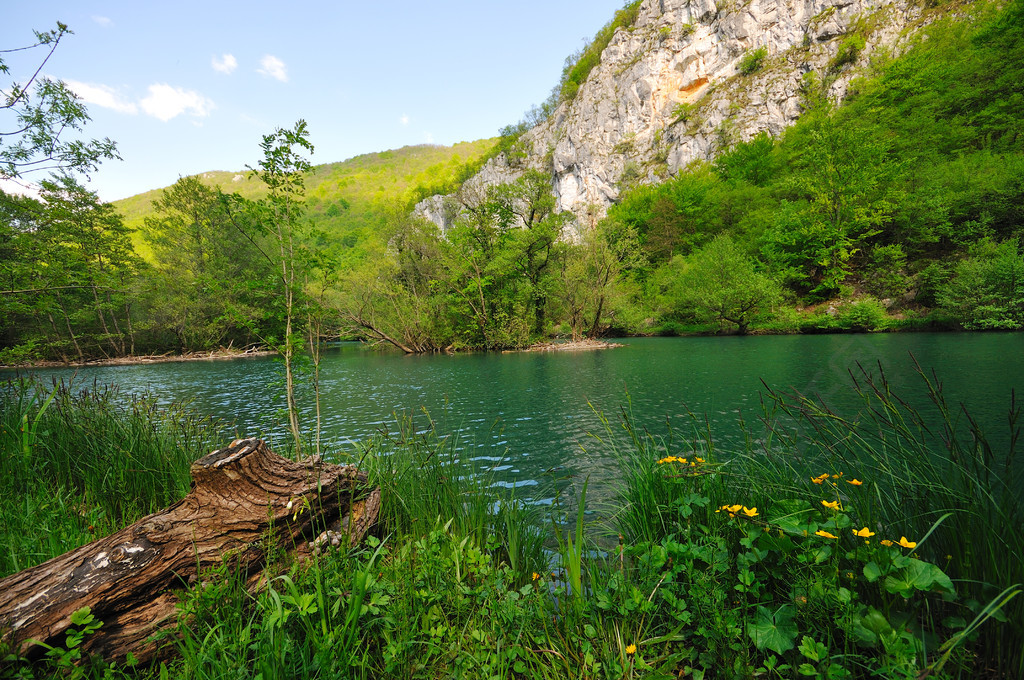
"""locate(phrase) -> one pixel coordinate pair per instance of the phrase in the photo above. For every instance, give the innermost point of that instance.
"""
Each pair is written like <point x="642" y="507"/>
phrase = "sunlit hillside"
<point x="348" y="197"/>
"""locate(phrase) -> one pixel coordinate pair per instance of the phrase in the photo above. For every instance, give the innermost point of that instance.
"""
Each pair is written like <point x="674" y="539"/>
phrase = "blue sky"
<point x="187" y="87"/>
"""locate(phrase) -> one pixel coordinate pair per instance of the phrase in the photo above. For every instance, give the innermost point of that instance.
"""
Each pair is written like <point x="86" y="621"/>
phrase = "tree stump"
<point x="244" y="501"/>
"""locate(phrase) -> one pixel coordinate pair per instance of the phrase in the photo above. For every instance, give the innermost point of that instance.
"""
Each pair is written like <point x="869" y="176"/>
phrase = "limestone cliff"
<point x="669" y="91"/>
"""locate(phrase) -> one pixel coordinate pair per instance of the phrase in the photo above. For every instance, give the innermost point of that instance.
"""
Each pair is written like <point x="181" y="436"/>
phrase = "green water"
<point x="528" y="418"/>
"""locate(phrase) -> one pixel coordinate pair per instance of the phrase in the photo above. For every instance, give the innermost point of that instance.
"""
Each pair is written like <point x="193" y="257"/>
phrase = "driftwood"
<point x="244" y="500"/>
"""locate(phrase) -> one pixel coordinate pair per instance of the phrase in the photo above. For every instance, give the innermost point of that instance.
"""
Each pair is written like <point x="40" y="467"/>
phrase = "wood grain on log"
<point x="244" y="500"/>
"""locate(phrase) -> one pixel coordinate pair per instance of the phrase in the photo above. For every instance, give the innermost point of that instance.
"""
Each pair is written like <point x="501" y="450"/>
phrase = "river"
<point x="529" y="419"/>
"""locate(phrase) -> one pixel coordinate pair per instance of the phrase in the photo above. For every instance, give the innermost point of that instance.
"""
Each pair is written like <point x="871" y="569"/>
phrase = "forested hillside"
<point x="899" y="208"/>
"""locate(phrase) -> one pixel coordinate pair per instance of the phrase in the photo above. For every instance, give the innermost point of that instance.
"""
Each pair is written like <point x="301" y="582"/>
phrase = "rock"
<point x="625" y="117"/>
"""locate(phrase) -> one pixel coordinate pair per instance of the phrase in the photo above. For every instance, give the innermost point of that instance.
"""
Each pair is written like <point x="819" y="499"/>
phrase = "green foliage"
<point x="752" y="61"/>
<point x="786" y="558"/>
<point x="79" y="464"/>
<point x="720" y="283"/>
<point x="41" y="119"/>
<point x="211" y="281"/>
<point x="849" y="49"/>
<point x="863" y="314"/>
<point x="885" y="276"/>
<point x="578" y="66"/>
<point x="843" y="190"/>
<point x="70" y="274"/>
<point x="753" y="161"/>
<point x="987" y="288"/>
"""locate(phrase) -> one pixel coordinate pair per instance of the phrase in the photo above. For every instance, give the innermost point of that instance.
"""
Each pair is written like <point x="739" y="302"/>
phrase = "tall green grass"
<point x="79" y="463"/>
<point x="893" y="471"/>
<point x="727" y="564"/>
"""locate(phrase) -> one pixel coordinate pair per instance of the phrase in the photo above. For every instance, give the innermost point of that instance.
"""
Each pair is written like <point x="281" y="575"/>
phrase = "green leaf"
<point x="82" y="617"/>
<point x="775" y="631"/>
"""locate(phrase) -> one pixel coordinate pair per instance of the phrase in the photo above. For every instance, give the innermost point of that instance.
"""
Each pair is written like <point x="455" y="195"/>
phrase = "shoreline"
<point x="584" y="345"/>
<point x="213" y="355"/>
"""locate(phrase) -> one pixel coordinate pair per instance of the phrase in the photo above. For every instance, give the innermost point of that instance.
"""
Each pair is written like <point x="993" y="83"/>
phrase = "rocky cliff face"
<point x="669" y="91"/>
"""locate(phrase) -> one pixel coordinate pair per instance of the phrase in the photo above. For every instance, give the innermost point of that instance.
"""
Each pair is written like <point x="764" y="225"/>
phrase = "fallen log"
<point x="244" y="502"/>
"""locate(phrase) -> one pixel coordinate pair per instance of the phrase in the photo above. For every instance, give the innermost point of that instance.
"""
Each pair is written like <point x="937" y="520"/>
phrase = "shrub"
<point x="753" y="61"/>
<point x="987" y="290"/>
<point x="865" y="314"/>
<point x="849" y="50"/>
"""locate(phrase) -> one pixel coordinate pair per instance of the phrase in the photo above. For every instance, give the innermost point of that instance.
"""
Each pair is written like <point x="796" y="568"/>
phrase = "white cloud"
<point x="19" y="188"/>
<point x="226" y="64"/>
<point x="273" y="67"/>
<point x="166" y="102"/>
<point x="102" y="95"/>
<point x="404" y="120"/>
<point x="103" y="21"/>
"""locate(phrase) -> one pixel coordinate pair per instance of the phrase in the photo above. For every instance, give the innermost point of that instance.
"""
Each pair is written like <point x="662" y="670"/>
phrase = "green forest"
<point x="898" y="210"/>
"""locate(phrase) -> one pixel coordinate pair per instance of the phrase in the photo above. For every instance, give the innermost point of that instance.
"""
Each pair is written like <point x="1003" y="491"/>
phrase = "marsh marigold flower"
<point x="630" y="649"/>
<point x="831" y="505"/>
<point x="750" y="512"/>
<point x="907" y="544"/>
<point x="886" y="542"/>
<point x="820" y="478"/>
<point x="824" y="534"/>
<point x="863" y="533"/>
<point x="536" y="576"/>
<point x="855" y="482"/>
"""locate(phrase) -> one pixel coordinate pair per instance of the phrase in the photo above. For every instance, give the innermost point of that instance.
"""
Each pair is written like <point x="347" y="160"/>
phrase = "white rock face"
<point x="682" y="56"/>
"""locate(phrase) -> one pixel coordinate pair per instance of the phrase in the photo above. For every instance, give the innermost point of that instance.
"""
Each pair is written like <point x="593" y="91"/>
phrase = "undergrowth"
<point x="879" y="544"/>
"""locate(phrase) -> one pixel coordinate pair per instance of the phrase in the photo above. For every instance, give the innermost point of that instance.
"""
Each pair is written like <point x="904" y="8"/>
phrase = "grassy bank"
<point x="885" y="545"/>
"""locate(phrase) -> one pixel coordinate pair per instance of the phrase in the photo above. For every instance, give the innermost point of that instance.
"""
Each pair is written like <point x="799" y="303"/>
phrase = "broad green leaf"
<point x="775" y="631"/>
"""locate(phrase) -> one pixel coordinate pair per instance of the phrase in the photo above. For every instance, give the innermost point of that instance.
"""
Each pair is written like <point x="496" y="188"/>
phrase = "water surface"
<point x="529" y="418"/>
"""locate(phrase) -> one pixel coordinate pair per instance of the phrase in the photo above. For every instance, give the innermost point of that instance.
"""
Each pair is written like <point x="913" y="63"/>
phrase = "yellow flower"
<point x="818" y="480"/>
<point x="863" y="533"/>
<point x="536" y="576"/>
<point x="699" y="460"/>
<point x="824" y="534"/>
<point x="831" y="505"/>
<point x="907" y="544"/>
<point x="630" y="649"/>
<point x="667" y="459"/>
<point x="886" y="542"/>
<point x="855" y="482"/>
<point x="750" y="512"/>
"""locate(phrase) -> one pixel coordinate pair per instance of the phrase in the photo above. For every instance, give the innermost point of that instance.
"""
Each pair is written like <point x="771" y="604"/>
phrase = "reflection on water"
<point x="530" y="418"/>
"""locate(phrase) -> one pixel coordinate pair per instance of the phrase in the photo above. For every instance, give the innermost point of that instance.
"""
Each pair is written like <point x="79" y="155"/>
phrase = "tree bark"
<point x="244" y="502"/>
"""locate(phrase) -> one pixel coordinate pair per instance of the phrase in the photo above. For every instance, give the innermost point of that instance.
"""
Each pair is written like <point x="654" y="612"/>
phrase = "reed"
<point x="80" y="463"/>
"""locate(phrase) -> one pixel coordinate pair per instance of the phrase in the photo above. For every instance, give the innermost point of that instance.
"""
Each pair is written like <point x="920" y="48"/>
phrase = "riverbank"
<point x="584" y="345"/>
<point x="212" y="355"/>
<point x="732" y="561"/>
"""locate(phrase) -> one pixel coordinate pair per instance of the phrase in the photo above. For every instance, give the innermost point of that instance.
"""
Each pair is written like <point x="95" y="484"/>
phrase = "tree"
<point x="720" y="283"/>
<point x="987" y="289"/>
<point x="840" y="196"/>
<point x="280" y="214"/>
<point x="592" y="275"/>
<point x="39" y="118"/>
<point x="207" y="269"/>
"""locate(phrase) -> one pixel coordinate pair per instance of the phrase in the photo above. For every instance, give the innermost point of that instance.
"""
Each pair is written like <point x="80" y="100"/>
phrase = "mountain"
<point x="347" y="198"/>
<point x="676" y="81"/>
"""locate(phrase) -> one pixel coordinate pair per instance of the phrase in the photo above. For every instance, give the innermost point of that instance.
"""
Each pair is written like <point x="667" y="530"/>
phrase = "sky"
<point x="186" y="87"/>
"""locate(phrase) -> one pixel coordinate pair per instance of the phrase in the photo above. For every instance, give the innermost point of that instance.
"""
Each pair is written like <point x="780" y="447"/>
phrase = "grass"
<point x="79" y="463"/>
<point x="762" y="562"/>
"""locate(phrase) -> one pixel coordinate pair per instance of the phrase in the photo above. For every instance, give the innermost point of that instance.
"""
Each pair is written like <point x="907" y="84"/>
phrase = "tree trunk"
<point x="244" y="501"/>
